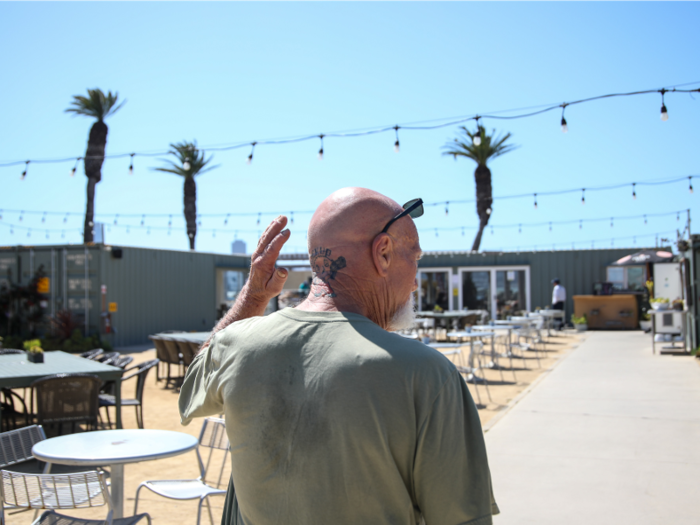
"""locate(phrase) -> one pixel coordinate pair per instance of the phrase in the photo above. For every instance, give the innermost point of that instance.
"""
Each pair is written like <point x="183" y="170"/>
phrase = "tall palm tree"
<point x="99" y="106"/>
<point x="489" y="148"/>
<point x="190" y="163"/>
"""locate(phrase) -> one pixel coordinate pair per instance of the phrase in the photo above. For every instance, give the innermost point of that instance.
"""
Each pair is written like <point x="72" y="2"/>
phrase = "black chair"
<point x="8" y="351"/>
<point x="121" y="362"/>
<point x="14" y="409"/>
<point x="67" y="399"/>
<point x="106" y="358"/>
<point x="92" y="354"/>
<point x="140" y="372"/>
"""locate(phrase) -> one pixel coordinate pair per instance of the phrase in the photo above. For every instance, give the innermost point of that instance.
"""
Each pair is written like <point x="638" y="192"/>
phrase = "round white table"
<point x="114" y="448"/>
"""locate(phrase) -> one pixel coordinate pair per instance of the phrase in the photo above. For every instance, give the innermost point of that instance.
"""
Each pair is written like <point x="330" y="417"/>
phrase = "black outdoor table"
<point x="17" y="372"/>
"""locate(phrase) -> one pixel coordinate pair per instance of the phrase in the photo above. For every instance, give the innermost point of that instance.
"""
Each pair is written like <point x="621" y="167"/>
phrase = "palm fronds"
<point x="491" y="146"/>
<point x="189" y="162"/>
<point x="96" y="104"/>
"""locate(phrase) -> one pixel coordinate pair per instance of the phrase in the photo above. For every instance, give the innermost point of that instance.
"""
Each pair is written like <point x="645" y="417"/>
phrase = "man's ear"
<point x="382" y="253"/>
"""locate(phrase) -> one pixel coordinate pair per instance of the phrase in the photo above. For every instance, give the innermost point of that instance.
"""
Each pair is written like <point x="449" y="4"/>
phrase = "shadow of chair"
<point x="212" y="436"/>
<point x="66" y="399"/>
<point x="140" y="372"/>
<point x="24" y="491"/>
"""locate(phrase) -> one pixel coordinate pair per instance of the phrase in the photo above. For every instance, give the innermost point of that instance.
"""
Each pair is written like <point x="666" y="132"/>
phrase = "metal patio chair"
<point x="14" y="409"/>
<point x="8" y="351"/>
<point x="186" y="351"/>
<point x="92" y="354"/>
<point x="140" y="372"/>
<point x="59" y="491"/>
<point x="212" y="436"/>
<point x="66" y="399"/>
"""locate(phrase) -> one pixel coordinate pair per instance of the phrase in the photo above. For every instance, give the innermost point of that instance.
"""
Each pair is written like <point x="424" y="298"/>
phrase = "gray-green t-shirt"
<point x="333" y="420"/>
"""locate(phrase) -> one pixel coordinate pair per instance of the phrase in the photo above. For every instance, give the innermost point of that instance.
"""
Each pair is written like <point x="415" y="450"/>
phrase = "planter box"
<point x="581" y="327"/>
<point x="645" y="325"/>
<point x="35" y="357"/>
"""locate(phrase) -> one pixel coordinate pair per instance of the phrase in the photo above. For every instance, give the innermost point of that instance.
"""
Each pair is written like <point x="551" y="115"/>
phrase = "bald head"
<point x="356" y="267"/>
<point x="349" y="216"/>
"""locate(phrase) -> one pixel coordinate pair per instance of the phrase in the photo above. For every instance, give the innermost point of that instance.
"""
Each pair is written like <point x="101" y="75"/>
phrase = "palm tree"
<point x="190" y="163"/>
<point x="489" y="148"/>
<point x="99" y="106"/>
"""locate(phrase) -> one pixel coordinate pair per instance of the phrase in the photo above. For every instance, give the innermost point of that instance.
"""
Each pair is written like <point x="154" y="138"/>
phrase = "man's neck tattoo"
<point x="324" y="269"/>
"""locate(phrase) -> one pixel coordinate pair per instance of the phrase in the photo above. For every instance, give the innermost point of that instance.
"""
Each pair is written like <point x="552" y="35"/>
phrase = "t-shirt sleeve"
<point x="200" y="393"/>
<point x="452" y="482"/>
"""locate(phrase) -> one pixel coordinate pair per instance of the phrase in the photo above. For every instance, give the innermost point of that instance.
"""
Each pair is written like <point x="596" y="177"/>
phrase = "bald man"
<point x="332" y="418"/>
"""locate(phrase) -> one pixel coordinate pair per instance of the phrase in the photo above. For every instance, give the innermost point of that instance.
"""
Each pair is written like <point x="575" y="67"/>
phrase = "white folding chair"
<point x="19" y="490"/>
<point x="213" y="436"/>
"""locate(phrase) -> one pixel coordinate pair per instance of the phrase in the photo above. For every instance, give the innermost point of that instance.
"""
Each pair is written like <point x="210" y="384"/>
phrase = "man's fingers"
<point x="271" y="232"/>
<point x="276" y="282"/>
<point x="273" y="249"/>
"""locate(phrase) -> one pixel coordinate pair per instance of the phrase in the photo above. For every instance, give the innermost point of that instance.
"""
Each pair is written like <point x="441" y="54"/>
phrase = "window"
<point x="434" y="291"/>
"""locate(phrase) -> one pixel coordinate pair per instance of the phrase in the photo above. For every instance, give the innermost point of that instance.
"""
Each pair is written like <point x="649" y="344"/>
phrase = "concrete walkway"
<point x="610" y="436"/>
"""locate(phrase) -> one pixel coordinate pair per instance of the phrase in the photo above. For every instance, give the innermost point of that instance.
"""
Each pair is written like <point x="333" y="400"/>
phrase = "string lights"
<point x="690" y="184"/>
<point x="26" y="168"/>
<point x="535" y="201"/>
<point x="583" y="195"/>
<point x="75" y="167"/>
<point x="664" y="111"/>
<point x="634" y="192"/>
<point x="131" y="163"/>
<point x="252" y="149"/>
<point x="564" y="126"/>
<point x="396" y="144"/>
<point x="448" y="122"/>
<point x="320" y="151"/>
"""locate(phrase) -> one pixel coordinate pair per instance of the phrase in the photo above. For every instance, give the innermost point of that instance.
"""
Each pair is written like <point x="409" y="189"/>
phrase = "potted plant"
<point x="660" y="303"/>
<point x="580" y="323"/>
<point x="34" y="352"/>
<point x="645" y="321"/>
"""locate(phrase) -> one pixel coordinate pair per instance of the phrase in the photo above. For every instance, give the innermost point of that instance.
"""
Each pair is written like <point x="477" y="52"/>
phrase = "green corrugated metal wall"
<point x="155" y="290"/>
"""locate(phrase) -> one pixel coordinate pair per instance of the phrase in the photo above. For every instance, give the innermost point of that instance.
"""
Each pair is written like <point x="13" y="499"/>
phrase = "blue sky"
<point x="225" y="73"/>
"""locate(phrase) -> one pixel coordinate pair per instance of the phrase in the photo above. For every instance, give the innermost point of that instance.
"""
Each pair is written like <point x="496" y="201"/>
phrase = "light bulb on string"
<point x="462" y="232"/>
<point x="131" y="163"/>
<point x="116" y="219"/>
<point x="396" y="144"/>
<point x="43" y="218"/>
<point x="320" y="151"/>
<point x="252" y="149"/>
<point x="447" y="208"/>
<point x="29" y="232"/>
<point x="564" y="125"/>
<point x="186" y="165"/>
<point x="291" y="217"/>
<point x="75" y="168"/>
<point x="678" y="216"/>
<point x="213" y="233"/>
<point x="491" y="230"/>
<point x="258" y="223"/>
<point x="664" y="111"/>
<point x="488" y="211"/>
<point x="65" y="219"/>
<point x="550" y="226"/>
<point x="199" y="222"/>
<point x="520" y="228"/>
<point x="21" y="216"/>
<point x="583" y="195"/>
<point x="535" y="200"/>
<point x="63" y="234"/>
<point x="645" y="219"/>
<point x="12" y="230"/>
<point x="226" y="219"/>
<point x="634" y="191"/>
<point x="476" y="139"/>
<point x="170" y="221"/>
<point x="634" y="240"/>
<point x="580" y="224"/>
<point x="26" y="167"/>
<point x="0" y="215"/>
<point x="148" y="231"/>
<point x="690" y="184"/>
<point x="611" y="222"/>
<point x="436" y="233"/>
<point x="47" y="234"/>
<point x="143" y="219"/>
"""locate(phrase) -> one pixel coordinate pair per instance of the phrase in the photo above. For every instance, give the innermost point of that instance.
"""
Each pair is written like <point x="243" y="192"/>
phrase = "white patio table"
<point x="114" y="448"/>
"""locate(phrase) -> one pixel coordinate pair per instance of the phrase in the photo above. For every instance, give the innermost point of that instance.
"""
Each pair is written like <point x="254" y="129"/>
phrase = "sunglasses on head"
<point x="414" y="208"/>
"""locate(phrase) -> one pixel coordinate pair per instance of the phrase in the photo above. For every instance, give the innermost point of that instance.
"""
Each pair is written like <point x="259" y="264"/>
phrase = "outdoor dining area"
<point x="66" y="443"/>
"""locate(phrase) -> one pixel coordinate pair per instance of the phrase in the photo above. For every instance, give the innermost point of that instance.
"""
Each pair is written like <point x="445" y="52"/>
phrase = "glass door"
<point x="434" y="290"/>
<point x="476" y="290"/>
<point x="510" y="293"/>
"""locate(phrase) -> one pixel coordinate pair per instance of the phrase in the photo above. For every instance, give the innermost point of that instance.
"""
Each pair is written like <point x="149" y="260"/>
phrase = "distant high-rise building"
<point x="238" y="247"/>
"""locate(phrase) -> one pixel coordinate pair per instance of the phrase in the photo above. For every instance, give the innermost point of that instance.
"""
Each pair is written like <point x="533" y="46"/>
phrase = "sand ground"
<point x="160" y="412"/>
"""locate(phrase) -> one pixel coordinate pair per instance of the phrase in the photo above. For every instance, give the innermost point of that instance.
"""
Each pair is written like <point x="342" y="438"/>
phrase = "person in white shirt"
<point x="558" y="300"/>
<point x="558" y="295"/>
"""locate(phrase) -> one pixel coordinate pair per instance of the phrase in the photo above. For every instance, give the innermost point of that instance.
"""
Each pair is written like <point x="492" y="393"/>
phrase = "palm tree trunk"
<point x="191" y="209"/>
<point x="94" y="157"/>
<point x="484" y="201"/>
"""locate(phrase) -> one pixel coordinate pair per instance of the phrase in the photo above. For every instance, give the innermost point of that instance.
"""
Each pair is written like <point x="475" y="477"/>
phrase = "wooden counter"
<point x="608" y="312"/>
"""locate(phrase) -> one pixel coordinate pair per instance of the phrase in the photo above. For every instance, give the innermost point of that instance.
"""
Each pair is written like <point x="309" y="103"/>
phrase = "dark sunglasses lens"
<point x="417" y="211"/>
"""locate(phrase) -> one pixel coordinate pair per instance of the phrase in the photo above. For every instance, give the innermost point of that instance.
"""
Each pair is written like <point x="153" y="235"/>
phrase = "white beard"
<point x="404" y="317"/>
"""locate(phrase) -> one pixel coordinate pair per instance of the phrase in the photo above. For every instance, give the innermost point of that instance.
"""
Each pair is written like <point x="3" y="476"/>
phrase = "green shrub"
<point x="579" y="320"/>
